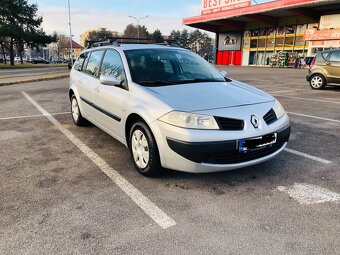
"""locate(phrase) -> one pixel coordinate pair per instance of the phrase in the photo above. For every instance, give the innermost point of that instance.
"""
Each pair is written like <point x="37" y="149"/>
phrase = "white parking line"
<point x="308" y="194"/>
<point x="309" y="99"/>
<point x="160" y="217"/>
<point x="33" y="116"/>
<point x="313" y="117"/>
<point x="325" y="161"/>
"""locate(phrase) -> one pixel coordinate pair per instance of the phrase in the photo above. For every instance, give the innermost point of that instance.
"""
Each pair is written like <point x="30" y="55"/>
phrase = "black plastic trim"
<point x="225" y="152"/>
<point x="111" y="115"/>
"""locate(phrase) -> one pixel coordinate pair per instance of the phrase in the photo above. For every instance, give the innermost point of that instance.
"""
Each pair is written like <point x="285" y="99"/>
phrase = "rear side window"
<point x="78" y="65"/>
<point x="93" y="63"/>
<point x="112" y="65"/>
<point x="325" y="55"/>
<point x="335" y="56"/>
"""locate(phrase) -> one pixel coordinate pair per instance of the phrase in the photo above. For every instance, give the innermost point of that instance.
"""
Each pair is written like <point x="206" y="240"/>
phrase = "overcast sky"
<point x="113" y="14"/>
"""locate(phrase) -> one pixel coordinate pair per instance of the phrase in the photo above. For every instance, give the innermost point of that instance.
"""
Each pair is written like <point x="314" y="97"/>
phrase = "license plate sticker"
<point x="257" y="143"/>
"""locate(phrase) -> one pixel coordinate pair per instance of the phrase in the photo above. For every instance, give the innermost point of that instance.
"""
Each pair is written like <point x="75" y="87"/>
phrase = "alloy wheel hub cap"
<point x="140" y="149"/>
<point x="75" y="110"/>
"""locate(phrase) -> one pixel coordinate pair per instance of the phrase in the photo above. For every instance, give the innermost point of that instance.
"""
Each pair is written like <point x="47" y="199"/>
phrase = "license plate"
<point x="256" y="143"/>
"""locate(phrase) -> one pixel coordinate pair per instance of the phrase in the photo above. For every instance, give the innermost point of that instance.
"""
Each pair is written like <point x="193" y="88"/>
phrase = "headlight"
<point x="278" y="109"/>
<point x="189" y="120"/>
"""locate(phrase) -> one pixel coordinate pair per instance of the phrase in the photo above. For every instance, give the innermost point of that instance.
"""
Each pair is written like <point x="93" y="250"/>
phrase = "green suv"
<point x="324" y="69"/>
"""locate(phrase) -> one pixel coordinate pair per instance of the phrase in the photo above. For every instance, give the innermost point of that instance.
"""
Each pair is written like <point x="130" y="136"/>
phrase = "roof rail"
<point x="116" y="41"/>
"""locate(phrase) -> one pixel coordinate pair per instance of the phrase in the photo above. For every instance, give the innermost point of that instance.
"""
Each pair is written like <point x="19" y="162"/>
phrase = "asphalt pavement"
<point x="74" y="190"/>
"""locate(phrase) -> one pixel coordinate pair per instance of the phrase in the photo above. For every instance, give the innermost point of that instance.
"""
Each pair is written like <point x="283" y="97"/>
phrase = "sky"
<point x="165" y="15"/>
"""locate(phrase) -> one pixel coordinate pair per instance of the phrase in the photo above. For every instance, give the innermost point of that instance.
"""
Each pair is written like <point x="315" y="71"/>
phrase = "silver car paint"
<point x="226" y="99"/>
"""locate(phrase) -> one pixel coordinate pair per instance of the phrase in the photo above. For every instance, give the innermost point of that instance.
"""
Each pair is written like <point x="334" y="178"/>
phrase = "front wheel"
<point x="317" y="81"/>
<point x="144" y="151"/>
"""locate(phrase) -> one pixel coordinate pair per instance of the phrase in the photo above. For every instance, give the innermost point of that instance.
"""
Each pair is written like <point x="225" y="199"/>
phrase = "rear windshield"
<point x="161" y="67"/>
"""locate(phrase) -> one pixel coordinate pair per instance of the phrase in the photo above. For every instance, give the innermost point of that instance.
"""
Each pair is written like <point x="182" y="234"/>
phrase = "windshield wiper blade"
<point x="157" y="83"/>
<point x="199" y="80"/>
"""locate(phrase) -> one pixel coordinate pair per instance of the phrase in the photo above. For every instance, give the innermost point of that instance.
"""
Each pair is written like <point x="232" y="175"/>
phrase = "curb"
<point x="35" y="80"/>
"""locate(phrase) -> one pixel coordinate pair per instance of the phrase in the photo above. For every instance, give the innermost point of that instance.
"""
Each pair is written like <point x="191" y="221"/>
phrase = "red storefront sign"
<point x="320" y="35"/>
<point x="214" y="6"/>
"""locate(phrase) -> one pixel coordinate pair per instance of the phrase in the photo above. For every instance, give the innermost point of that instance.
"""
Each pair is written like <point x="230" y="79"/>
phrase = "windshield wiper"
<point x="156" y="83"/>
<point x="199" y="80"/>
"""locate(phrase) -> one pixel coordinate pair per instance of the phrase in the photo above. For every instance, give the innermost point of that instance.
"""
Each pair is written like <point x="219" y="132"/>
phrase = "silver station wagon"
<point x="174" y="110"/>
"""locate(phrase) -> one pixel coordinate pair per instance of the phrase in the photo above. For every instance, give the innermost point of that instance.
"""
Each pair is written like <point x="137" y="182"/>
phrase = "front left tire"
<point x="144" y="150"/>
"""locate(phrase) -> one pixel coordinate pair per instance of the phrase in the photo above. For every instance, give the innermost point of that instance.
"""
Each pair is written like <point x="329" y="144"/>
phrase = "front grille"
<point x="270" y="117"/>
<point x="229" y="124"/>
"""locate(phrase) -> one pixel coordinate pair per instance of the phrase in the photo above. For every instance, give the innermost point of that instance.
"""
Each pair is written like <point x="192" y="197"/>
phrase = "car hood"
<point x="211" y="95"/>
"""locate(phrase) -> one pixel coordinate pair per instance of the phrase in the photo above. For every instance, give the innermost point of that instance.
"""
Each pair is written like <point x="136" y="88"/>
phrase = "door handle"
<point x="328" y="64"/>
<point x="96" y="89"/>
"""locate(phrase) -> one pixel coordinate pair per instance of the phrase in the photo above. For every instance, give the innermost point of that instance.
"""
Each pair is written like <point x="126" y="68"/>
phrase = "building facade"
<point x="84" y="35"/>
<point x="273" y="33"/>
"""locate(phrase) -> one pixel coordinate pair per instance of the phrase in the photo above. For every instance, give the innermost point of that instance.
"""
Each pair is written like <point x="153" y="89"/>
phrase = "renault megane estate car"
<point x="172" y="109"/>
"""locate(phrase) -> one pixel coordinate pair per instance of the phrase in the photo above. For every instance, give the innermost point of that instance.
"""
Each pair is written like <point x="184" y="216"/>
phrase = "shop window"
<point x="279" y="42"/>
<point x="270" y="43"/>
<point x="271" y="31"/>
<point x="290" y="30"/>
<point x="280" y="31"/>
<point x="299" y="41"/>
<point x="262" y="43"/>
<point x="254" y="33"/>
<point x="289" y="42"/>
<point x="253" y="43"/>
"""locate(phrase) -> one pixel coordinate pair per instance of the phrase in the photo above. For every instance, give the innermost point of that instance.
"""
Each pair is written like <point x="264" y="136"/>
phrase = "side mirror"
<point x="110" y="80"/>
<point x="225" y="74"/>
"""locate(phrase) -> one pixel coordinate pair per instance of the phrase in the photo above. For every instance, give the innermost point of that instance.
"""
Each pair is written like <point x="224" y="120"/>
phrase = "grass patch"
<point x="28" y="65"/>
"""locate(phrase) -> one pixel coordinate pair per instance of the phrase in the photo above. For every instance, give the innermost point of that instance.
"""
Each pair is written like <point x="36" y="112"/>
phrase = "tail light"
<point x="313" y="62"/>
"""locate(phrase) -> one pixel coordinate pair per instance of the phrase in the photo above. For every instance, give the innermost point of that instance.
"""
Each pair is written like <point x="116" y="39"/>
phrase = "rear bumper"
<point x="225" y="152"/>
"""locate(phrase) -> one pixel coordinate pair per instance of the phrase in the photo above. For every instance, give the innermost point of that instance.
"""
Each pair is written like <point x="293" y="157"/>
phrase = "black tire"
<point x="151" y="167"/>
<point x="317" y="81"/>
<point x="78" y="119"/>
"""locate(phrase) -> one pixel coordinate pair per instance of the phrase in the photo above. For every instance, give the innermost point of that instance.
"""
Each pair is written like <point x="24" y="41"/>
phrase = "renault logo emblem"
<point x="254" y="121"/>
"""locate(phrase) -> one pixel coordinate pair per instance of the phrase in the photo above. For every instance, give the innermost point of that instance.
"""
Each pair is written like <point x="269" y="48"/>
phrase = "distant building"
<point x="84" y="35"/>
<point x="62" y="48"/>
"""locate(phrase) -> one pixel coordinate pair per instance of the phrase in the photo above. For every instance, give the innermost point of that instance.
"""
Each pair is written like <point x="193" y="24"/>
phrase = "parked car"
<point x="173" y="109"/>
<point x="2" y="60"/>
<point x="17" y="59"/>
<point x="324" y="69"/>
<point x="58" y="60"/>
<point x="39" y="61"/>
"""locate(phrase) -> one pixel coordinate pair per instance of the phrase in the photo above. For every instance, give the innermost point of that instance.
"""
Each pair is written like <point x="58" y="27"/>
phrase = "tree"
<point x="157" y="35"/>
<point x="175" y="35"/>
<point x="20" y="25"/>
<point x="184" y="39"/>
<point x="98" y="35"/>
<point x="132" y="31"/>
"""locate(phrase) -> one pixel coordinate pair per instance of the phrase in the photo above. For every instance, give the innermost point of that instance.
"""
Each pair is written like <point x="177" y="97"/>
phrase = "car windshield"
<point x="164" y="67"/>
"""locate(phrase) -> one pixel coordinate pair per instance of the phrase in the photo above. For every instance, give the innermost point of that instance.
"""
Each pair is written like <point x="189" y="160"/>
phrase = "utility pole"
<point x="137" y="21"/>
<point x="69" y="23"/>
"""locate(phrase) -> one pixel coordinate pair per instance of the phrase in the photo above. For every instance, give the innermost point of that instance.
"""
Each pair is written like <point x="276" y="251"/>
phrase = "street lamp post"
<point x="137" y="21"/>
<point x="69" y="23"/>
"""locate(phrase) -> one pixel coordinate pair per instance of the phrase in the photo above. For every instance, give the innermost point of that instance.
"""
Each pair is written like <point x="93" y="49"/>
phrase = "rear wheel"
<point x="76" y="114"/>
<point x="317" y="81"/>
<point x="143" y="149"/>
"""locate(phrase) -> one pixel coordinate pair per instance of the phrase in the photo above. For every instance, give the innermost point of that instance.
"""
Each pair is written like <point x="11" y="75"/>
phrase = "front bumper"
<point x="203" y="151"/>
<point x="225" y="152"/>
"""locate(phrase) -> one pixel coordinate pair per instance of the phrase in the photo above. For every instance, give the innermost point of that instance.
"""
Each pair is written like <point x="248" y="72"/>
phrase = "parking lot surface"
<point x="74" y="190"/>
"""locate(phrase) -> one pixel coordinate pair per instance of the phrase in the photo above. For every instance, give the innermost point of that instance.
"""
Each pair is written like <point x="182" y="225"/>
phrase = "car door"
<point x="111" y="99"/>
<point x="333" y="66"/>
<point x="89" y="83"/>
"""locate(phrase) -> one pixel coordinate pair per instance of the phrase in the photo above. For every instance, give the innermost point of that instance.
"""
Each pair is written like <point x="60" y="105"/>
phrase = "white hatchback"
<point x="173" y="109"/>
